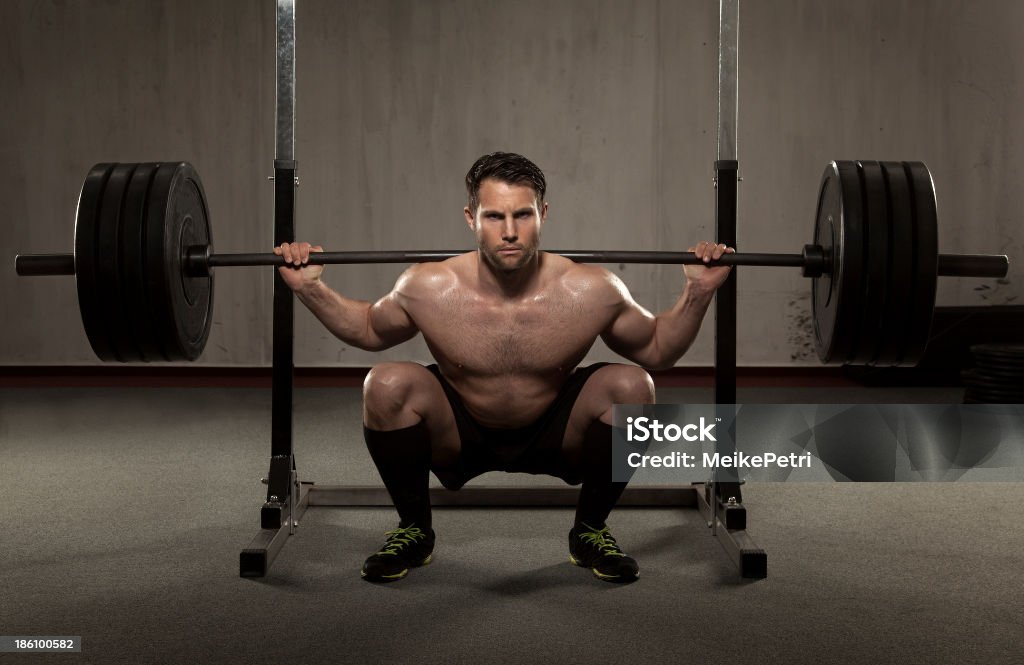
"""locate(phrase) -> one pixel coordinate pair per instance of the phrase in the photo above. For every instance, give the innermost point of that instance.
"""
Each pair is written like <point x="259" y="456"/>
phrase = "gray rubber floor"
<point x="124" y="512"/>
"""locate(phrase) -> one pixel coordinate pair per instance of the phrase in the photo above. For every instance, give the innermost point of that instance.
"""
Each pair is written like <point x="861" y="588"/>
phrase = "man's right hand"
<point x="296" y="272"/>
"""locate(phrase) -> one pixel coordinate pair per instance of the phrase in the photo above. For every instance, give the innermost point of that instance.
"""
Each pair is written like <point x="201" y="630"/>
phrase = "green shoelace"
<point x="401" y="537"/>
<point x="603" y="540"/>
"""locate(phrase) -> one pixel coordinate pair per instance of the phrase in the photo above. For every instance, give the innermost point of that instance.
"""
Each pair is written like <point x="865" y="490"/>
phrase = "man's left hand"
<point x="707" y="278"/>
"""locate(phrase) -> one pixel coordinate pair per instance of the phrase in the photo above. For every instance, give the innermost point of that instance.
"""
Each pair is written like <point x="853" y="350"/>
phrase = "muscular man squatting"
<point x="507" y="325"/>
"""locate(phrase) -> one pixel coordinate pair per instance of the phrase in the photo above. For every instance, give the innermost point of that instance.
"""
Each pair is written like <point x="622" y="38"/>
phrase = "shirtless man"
<point x="507" y="325"/>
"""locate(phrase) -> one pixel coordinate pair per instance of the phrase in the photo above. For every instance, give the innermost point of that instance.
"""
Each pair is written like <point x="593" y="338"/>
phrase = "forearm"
<point x="346" y="319"/>
<point x="676" y="328"/>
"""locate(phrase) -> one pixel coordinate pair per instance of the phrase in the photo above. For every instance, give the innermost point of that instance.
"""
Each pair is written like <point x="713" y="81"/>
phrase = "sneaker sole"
<point x="397" y="576"/>
<point x="615" y="579"/>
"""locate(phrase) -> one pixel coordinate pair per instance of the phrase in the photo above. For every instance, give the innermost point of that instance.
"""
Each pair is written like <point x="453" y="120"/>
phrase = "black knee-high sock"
<point x="402" y="457"/>
<point x="599" y="494"/>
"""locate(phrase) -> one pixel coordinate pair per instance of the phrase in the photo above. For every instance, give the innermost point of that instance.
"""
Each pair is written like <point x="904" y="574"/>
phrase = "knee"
<point x="629" y="384"/>
<point x="388" y="386"/>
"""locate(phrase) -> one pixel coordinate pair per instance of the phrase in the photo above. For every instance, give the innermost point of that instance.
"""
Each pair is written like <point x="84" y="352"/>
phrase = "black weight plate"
<point x="996" y="397"/>
<point x="993" y="397"/>
<point x="158" y="284"/>
<point x="838" y="229"/>
<point x="926" y="260"/>
<point x="1000" y="360"/>
<point x="901" y="262"/>
<point x="981" y="398"/>
<point x="133" y="270"/>
<point x="1012" y="351"/>
<point x="1007" y="351"/>
<point x="1005" y="364"/>
<point x="177" y="218"/>
<point x="971" y="398"/>
<point x="999" y="369"/>
<point x="986" y="382"/>
<point x="1009" y="395"/>
<point x="194" y="294"/>
<point x="876" y="262"/>
<point x="1005" y="382"/>
<point x="824" y="288"/>
<point x="108" y="264"/>
<point x="90" y="298"/>
<point x="1013" y="383"/>
<point x="1010" y="377"/>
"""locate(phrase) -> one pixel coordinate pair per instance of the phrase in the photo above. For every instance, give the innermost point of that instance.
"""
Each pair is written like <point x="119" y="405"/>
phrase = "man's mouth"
<point x="509" y="250"/>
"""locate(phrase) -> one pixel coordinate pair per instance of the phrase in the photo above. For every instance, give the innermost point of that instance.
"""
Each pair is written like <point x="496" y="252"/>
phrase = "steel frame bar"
<point x="255" y="560"/>
<point x="750" y="560"/>
<point x="499" y="496"/>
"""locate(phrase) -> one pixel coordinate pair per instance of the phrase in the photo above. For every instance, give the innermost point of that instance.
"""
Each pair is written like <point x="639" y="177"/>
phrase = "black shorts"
<point x="536" y="448"/>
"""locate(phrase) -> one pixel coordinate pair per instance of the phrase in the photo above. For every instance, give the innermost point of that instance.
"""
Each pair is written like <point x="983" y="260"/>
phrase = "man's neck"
<point x="508" y="285"/>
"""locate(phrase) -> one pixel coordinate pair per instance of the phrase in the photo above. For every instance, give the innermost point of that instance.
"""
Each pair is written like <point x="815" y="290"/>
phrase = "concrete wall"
<point x="615" y="100"/>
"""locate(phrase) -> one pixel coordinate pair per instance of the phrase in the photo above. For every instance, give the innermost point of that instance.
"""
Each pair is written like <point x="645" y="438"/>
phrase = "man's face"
<point x="507" y="224"/>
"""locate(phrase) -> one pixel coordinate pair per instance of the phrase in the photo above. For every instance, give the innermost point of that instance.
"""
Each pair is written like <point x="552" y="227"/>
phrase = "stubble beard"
<point x="502" y="265"/>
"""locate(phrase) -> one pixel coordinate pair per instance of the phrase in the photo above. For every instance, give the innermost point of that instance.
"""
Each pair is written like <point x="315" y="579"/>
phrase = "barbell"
<point x="144" y="265"/>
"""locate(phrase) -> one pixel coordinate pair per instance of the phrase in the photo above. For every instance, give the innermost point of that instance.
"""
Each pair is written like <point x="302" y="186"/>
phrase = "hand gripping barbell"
<point x="144" y="265"/>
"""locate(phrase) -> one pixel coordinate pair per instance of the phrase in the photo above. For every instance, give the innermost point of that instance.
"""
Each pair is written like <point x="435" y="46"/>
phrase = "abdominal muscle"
<point x="506" y="401"/>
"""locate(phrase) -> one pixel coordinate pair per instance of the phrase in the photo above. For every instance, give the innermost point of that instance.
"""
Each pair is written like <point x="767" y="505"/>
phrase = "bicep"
<point x="631" y="329"/>
<point x="389" y="322"/>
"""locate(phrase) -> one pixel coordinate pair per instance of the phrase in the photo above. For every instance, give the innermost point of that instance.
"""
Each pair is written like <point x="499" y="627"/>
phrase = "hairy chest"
<point x="536" y="335"/>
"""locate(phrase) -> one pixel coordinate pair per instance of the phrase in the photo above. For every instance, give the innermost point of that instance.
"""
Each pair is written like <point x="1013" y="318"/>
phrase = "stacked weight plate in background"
<point x="997" y="376"/>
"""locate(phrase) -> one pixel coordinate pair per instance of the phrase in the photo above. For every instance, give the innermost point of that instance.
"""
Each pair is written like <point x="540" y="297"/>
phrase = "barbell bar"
<point x="144" y="264"/>
<point x="198" y="262"/>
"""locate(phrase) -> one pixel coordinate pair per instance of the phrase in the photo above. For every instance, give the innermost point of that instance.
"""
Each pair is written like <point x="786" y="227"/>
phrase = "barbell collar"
<point x="815" y="261"/>
<point x="195" y="261"/>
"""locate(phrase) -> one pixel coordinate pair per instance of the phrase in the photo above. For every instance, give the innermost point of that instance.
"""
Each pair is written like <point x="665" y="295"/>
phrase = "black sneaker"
<point x="596" y="549"/>
<point x="406" y="547"/>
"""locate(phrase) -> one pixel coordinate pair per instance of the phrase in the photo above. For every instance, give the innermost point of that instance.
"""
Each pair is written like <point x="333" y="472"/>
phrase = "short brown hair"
<point x="507" y="167"/>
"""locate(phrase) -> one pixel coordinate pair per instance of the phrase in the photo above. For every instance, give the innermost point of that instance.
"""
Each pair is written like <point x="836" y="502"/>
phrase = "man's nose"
<point x="508" y="230"/>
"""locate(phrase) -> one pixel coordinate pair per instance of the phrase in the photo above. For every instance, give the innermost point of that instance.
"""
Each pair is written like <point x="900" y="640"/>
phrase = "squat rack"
<point x="719" y="499"/>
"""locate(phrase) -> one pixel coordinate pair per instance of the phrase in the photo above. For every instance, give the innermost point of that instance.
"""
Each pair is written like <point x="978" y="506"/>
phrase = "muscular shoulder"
<point x="427" y="280"/>
<point x="596" y="285"/>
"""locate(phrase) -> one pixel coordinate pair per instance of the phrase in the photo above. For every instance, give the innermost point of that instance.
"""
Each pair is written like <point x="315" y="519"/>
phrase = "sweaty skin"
<point x="508" y="323"/>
